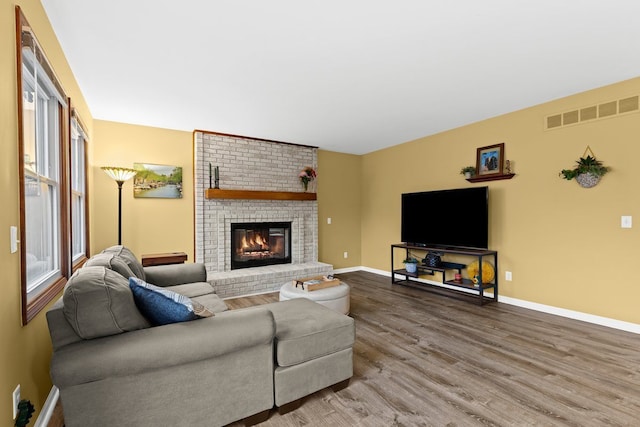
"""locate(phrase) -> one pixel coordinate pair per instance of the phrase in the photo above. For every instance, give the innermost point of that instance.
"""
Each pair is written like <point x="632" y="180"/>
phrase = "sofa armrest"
<point x="161" y="347"/>
<point x="175" y="274"/>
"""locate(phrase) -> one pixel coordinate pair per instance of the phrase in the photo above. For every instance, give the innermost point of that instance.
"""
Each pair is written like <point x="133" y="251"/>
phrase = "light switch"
<point x="626" y="221"/>
<point x="13" y="231"/>
<point x="328" y="220"/>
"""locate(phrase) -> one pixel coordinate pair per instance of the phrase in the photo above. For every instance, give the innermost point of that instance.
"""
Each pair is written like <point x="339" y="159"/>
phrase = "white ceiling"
<point x="352" y="76"/>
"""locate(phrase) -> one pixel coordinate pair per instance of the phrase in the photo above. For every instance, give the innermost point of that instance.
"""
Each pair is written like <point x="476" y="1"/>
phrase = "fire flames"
<point x="256" y="243"/>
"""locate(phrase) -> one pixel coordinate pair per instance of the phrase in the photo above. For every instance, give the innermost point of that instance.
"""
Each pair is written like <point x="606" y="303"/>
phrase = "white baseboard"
<point x="571" y="314"/>
<point x="347" y="270"/>
<point x="47" y="410"/>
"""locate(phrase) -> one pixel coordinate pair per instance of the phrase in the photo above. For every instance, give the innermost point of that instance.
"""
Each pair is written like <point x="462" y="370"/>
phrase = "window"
<point x="79" y="206"/>
<point x="42" y="128"/>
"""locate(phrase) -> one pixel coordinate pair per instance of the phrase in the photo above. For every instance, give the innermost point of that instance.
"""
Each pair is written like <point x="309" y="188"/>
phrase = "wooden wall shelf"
<point x="217" y="193"/>
<point x="491" y="177"/>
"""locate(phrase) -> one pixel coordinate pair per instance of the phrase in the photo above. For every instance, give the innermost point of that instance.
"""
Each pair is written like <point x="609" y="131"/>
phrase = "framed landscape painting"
<point x="490" y="160"/>
<point x="157" y="181"/>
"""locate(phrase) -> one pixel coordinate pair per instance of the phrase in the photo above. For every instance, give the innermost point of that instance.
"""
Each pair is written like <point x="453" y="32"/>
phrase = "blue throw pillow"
<point x="162" y="306"/>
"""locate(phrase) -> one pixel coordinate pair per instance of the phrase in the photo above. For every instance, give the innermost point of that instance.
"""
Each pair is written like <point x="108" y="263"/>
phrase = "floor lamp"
<point x="120" y="175"/>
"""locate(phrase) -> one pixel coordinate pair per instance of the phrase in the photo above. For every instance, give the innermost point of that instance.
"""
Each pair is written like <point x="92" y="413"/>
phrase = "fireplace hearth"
<point x="256" y="244"/>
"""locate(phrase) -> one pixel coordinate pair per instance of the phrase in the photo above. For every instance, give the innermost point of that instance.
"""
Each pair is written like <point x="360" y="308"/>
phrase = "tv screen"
<point x="447" y="218"/>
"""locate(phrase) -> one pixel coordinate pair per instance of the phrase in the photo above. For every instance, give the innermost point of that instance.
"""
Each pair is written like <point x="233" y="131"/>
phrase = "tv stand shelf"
<point x="461" y="287"/>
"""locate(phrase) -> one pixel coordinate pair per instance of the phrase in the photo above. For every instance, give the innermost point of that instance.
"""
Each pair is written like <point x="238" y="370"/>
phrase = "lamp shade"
<point x="119" y="174"/>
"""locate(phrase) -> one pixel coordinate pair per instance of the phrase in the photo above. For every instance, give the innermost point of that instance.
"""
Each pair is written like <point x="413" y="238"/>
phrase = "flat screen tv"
<point x="447" y="218"/>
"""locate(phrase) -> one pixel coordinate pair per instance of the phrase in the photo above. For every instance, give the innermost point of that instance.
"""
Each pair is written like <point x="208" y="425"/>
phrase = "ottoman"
<point x="314" y="350"/>
<point x="336" y="298"/>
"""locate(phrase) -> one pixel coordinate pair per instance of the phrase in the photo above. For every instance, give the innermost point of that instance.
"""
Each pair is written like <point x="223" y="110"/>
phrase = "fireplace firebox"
<point x="256" y="244"/>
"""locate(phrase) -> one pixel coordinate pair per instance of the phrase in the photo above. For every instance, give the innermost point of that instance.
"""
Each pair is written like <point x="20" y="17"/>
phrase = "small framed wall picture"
<point x="157" y="181"/>
<point x="490" y="160"/>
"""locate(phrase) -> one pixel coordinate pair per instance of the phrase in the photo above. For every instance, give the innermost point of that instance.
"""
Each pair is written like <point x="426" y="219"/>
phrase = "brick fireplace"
<point x="258" y="244"/>
<point x="258" y="165"/>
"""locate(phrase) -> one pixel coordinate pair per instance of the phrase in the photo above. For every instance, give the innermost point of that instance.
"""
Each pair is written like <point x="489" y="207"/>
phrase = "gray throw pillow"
<point x="129" y="258"/>
<point x="99" y="303"/>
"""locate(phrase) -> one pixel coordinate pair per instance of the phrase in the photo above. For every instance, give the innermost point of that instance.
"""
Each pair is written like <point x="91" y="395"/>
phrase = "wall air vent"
<point x="628" y="104"/>
<point x="593" y="112"/>
<point x="570" y="118"/>
<point x="608" y="109"/>
<point x="588" y="113"/>
<point x="554" y="121"/>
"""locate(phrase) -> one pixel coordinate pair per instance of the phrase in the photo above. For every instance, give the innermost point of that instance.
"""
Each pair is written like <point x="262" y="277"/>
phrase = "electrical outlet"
<point x="16" y="401"/>
<point x="346" y="255"/>
<point x="508" y="276"/>
<point x="328" y="220"/>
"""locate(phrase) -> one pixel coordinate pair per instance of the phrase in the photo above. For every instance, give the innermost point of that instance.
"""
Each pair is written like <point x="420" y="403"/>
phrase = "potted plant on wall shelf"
<point x="588" y="170"/>
<point x="468" y="171"/>
<point x="410" y="264"/>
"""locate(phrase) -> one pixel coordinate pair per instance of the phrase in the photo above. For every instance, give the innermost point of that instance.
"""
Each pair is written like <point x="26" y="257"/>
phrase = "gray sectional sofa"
<point x="113" y="366"/>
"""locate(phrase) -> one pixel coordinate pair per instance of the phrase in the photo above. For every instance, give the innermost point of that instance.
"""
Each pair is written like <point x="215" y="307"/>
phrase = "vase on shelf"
<point x="307" y="175"/>
<point x="309" y="186"/>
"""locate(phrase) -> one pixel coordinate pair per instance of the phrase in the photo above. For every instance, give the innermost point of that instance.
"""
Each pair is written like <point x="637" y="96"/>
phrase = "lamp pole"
<point x="120" y="211"/>
<point x="119" y="175"/>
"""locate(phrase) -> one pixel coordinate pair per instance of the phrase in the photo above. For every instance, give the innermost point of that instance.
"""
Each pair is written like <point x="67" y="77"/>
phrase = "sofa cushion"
<point x="129" y="258"/>
<point x="306" y="330"/>
<point x="212" y="302"/>
<point x="99" y="303"/>
<point x="191" y="289"/>
<point x="112" y="262"/>
<point x="175" y="274"/>
<point x="162" y="306"/>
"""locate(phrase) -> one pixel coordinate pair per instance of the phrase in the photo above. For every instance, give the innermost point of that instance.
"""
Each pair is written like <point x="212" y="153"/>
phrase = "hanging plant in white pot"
<point x="588" y="170"/>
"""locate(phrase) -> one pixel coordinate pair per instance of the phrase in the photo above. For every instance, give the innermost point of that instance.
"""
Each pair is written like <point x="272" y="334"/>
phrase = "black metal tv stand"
<point x="464" y="287"/>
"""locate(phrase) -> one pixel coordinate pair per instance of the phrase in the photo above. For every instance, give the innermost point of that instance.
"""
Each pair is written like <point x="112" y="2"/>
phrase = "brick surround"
<point x="253" y="164"/>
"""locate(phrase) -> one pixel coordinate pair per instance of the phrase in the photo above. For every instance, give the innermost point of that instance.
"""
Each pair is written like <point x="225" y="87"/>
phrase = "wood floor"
<point x="423" y="359"/>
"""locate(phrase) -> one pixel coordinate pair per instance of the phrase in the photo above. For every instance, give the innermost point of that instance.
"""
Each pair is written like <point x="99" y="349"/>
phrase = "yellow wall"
<point x="25" y="351"/>
<point x="148" y="225"/>
<point x="339" y="187"/>
<point x="563" y="243"/>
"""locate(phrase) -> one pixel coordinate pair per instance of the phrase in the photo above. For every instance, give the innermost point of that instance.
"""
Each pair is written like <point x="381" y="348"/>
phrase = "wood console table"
<point x="163" y="258"/>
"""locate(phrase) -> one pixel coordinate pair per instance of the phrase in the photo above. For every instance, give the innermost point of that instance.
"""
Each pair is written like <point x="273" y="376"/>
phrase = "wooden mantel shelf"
<point x="217" y="193"/>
